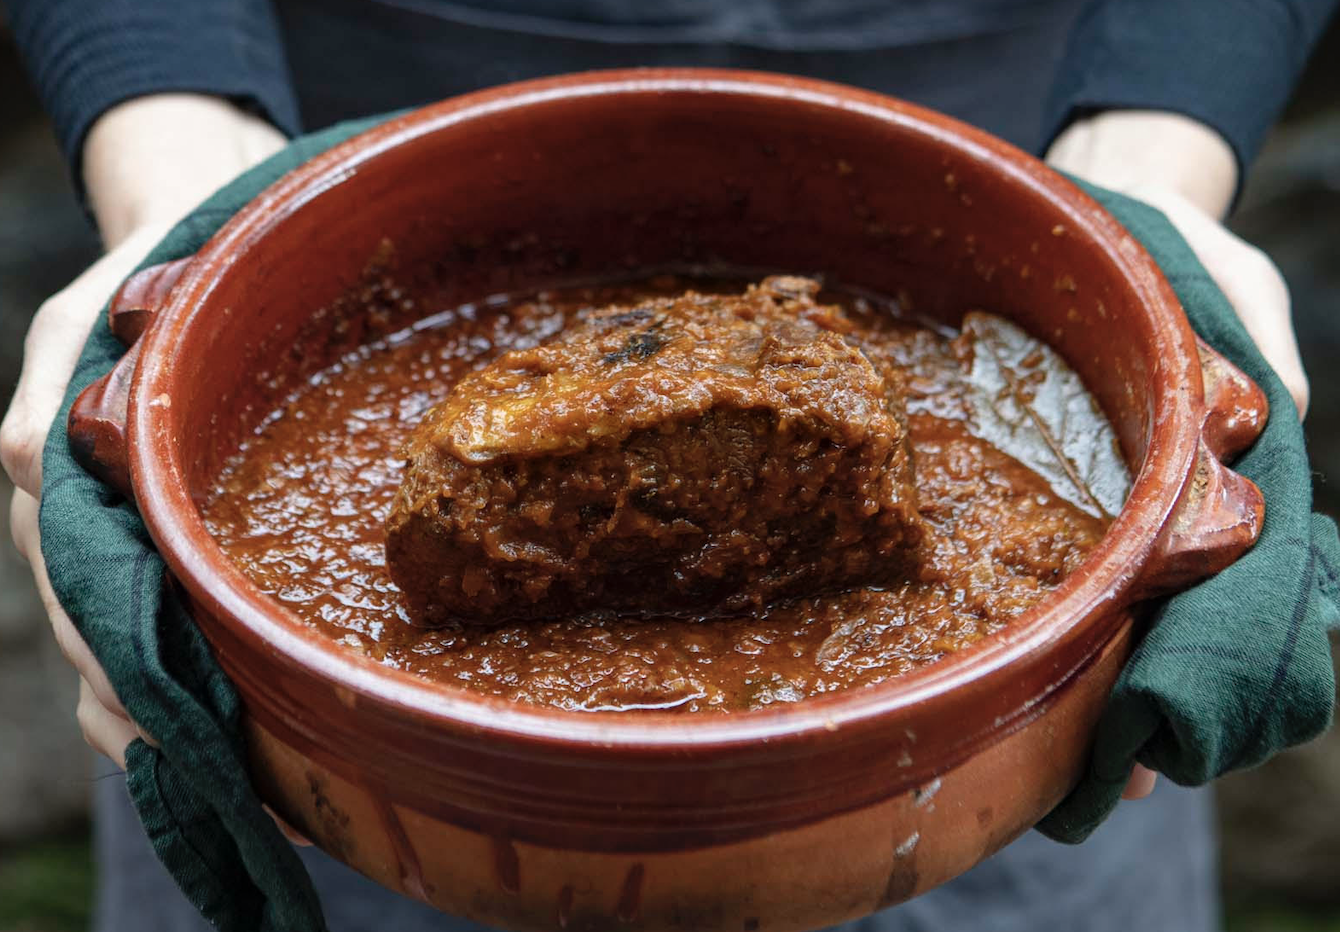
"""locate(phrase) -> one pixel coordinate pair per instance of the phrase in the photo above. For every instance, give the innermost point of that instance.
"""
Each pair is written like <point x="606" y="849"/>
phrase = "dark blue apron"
<point x="989" y="62"/>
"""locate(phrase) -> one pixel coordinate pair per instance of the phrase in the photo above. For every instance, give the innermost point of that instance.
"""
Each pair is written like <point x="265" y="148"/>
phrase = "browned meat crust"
<point x="687" y="454"/>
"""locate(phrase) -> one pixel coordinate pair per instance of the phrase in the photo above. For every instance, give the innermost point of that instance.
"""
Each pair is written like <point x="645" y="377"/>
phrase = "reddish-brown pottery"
<point x="785" y="819"/>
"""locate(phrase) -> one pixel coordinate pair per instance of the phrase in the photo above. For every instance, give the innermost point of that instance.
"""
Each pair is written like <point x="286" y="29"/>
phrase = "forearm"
<point x="86" y="57"/>
<point x="151" y="159"/>
<point x="1146" y="153"/>
<point x="1228" y="65"/>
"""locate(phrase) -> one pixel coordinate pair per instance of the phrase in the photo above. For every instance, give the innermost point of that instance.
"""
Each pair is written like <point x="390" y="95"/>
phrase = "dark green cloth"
<point x="1236" y="669"/>
<point x="1232" y="671"/>
<point x="193" y="793"/>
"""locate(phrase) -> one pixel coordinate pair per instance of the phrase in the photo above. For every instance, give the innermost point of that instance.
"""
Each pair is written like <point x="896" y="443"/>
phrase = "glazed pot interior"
<point x="577" y="179"/>
<point x="596" y="186"/>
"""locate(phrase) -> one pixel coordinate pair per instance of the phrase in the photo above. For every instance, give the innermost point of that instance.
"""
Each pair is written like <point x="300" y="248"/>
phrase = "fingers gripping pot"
<point x="790" y="818"/>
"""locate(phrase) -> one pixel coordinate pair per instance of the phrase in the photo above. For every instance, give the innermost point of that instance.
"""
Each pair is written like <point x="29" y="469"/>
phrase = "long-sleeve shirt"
<point x="1022" y="68"/>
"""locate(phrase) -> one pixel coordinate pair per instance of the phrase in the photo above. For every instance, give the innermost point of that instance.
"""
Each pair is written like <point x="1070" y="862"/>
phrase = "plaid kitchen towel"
<point x="1232" y="671"/>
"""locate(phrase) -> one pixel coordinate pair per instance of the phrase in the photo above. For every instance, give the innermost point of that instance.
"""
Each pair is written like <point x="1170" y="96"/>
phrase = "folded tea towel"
<point x="1231" y="672"/>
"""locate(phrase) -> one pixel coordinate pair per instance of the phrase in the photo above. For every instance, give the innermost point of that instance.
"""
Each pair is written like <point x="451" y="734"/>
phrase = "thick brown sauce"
<point x="300" y="508"/>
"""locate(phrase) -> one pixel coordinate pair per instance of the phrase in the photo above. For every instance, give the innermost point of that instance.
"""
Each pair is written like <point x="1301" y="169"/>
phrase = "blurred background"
<point x="1280" y="824"/>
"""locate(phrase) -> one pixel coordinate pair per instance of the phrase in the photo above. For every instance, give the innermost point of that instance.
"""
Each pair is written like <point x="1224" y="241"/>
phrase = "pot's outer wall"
<point x="791" y="880"/>
<point x="611" y="173"/>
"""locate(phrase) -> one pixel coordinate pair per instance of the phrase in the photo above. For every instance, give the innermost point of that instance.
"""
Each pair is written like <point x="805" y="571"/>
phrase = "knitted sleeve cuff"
<point x="86" y="56"/>
<point x="1230" y="64"/>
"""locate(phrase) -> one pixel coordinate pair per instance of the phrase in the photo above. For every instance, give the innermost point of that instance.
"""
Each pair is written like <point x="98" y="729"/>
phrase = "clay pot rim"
<point x="1091" y="596"/>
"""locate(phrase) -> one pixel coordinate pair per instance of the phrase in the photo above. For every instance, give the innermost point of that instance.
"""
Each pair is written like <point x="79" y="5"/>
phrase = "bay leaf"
<point x="1027" y="402"/>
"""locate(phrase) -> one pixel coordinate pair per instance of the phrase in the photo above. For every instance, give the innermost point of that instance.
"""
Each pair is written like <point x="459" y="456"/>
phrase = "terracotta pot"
<point x="784" y="819"/>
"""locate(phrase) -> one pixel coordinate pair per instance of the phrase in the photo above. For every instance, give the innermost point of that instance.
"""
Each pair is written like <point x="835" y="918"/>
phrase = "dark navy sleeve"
<point x="1230" y="64"/>
<point x="85" y="56"/>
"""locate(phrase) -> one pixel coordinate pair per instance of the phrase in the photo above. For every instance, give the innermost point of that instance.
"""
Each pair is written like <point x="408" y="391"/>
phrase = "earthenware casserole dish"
<point x="793" y="818"/>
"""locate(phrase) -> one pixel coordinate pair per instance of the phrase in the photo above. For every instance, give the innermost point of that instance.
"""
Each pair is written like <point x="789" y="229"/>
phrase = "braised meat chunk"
<point x="691" y="454"/>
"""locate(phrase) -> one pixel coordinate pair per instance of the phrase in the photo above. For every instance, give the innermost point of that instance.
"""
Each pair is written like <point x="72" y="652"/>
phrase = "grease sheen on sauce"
<point x="300" y="508"/>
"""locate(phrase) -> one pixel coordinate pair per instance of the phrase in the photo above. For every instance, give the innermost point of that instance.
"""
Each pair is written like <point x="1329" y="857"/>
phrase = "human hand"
<point x="1188" y="172"/>
<point x="51" y="349"/>
<point x="146" y="163"/>
<point x="1247" y="277"/>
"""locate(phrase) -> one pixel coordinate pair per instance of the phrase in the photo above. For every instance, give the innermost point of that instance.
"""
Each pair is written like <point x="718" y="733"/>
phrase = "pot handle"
<point x="1218" y="516"/>
<point x="97" y="421"/>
